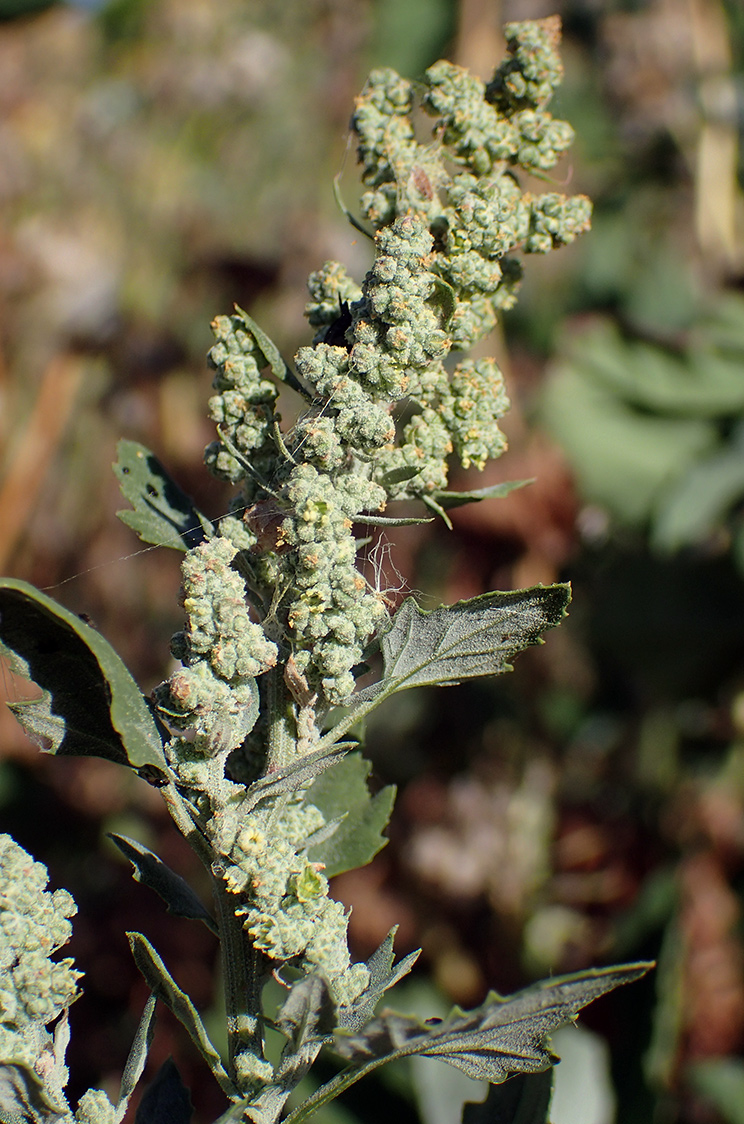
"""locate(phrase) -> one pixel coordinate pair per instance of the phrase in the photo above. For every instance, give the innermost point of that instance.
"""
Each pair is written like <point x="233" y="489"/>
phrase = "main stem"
<point x="243" y="976"/>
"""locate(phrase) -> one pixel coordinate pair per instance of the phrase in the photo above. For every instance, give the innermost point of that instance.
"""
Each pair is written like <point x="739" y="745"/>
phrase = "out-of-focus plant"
<point x="654" y="434"/>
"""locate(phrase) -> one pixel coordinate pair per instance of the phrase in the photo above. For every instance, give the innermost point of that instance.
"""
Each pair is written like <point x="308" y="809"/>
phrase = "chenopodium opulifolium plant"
<point x="249" y="740"/>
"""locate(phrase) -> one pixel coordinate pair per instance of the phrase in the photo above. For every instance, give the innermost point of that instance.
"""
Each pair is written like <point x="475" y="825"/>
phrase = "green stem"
<point x="331" y="1090"/>
<point x="243" y="980"/>
<point x="282" y="747"/>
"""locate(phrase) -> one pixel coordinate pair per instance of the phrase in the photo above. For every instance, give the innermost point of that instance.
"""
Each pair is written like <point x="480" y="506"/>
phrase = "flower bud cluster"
<point x="479" y="215"/>
<point x="331" y="613"/>
<point x="244" y="406"/>
<point x="34" y="989"/>
<point x="283" y="897"/>
<point x="221" y="649"/>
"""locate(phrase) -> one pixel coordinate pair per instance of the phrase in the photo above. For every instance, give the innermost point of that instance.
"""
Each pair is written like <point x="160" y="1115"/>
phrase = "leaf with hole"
<point x="163" y="514"/>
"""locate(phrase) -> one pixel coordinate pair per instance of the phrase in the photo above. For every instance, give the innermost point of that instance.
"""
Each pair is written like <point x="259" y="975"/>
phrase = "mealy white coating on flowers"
<point x="451" y="219"/>
<point x="221" y="649"/>
<point x="34" y="989"/>
<point x="283" y="898"/>
<point x="94" y="1107"/>
<point x="244" y="404"/>
<point x="385" y="410"/>
<point x="34" y="924"/>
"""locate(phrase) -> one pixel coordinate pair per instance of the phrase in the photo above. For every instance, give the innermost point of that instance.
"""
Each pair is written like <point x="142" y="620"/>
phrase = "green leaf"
<point x="342" y="791"/>
<point x="163" y="514"/>
<point x="135" y="1066"/>
<point x="175" y="891"/>
<point x="162" y="985"/>
<point x="700" y="383"/>
<point x="503" y="1036"/>
<point x="623" y="459"/>
<point x="90" y="704"/>
<point x="721" y="1082"/>
<point x="308" y="1014"/>
<point x="271" y="354"/>
<point x="700" y="501"/>
<point x="469" y="638"/>
<point x="494" y="492"/>
<point x="166" y="1099"/>
<point x="523" y="1099"/>
<point x="383" y="976"/>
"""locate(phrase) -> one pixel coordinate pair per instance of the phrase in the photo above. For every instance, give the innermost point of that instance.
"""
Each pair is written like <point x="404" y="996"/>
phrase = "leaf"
<point x="163" y="514"/>
<point x="700" y="383"/>
<point x="623" y="459"/>
<point x="308" y="1014"/>
<point x="166" y="1099"/>
<point x="175" y="891"/>
<point x="522" y="1099"/>
<point x="162" y="984"/>
<point x="382" y="977"/>
<point x="90" y="704"/>
<point x="494" y="492"/>
<point x="342" y="791"/>
<point x="700" y="501"/>
<point x="503" y="1036"/>
<point x="137" y="1056"/>
<point x="294" y="776"/>
<point x="469" y="638"/>
<point x="23" y="1099"/>
<point x="271" y="354"/>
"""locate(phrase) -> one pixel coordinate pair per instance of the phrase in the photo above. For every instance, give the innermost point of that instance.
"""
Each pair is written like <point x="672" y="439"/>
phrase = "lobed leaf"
<point x="469" y="638"/>
<point x="503" y="1036"/>
<point x="342" y="791"/>
<point x="163" y="514"/>
<point x="383" y="976"/>
<point x="90" y="705"/>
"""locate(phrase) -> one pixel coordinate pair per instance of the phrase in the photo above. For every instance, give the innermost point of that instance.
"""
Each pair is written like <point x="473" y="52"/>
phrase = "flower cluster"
<point x="34" y="989"/>
<point x="221" y="649"/>
<point x="465" y="184"/>
<point x="243" y="408"/>
<point x="385" y="411"/>
<point x="284" y="898"/>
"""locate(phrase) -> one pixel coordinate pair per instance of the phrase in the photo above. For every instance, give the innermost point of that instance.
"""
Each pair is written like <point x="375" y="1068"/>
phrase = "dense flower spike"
<point x="34" y="989"/>
<point x="278" y="610"/>
<point x="222" y="651"/>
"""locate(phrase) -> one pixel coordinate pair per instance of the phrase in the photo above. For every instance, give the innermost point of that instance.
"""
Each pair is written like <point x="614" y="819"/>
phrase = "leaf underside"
<point x="503" y="1036"/>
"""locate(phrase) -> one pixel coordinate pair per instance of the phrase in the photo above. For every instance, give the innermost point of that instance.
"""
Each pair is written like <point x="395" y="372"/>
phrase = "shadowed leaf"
<point x="90" y="704"/>
<point x="163" y="514"/>
<point x="523" y="1099"/>
<point x="171" y="887"/>
<point x="166" y="1099"/>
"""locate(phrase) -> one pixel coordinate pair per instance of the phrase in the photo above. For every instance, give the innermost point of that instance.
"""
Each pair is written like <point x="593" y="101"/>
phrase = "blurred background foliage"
<point x="162" y="159"/>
